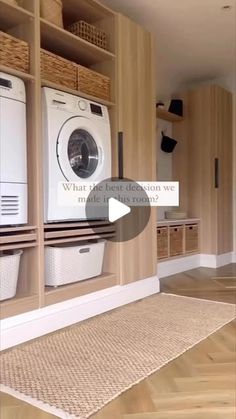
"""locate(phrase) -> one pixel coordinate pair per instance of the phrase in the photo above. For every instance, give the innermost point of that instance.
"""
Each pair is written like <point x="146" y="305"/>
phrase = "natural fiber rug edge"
<point x="64" y="415"/>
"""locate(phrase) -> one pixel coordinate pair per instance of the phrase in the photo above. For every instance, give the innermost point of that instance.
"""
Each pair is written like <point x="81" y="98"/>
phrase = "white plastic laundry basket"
<point x="9" y="270"/>
<point x="68" y="264"/>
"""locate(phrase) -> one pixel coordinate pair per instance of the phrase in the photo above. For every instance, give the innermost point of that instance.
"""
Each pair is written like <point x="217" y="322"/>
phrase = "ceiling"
<point x="195" y="39"/>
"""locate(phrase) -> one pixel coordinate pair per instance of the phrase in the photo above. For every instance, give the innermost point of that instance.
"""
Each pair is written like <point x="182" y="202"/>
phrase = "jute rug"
<point x="75" y="372"/>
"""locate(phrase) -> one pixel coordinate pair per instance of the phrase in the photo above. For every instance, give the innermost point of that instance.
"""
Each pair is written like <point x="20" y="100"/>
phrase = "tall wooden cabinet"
<point x="205" y="172"/>
<point x="136" y="120"/>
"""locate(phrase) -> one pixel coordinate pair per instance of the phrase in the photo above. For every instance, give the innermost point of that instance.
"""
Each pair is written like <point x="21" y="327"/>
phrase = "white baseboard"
<point x="27" y="326"/>
<point x="216" y="261"/>
<point x="175" y="266"/>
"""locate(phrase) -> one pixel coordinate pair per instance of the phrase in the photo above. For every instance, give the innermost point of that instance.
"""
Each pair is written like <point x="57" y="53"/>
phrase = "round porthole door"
<point x="79" y="150"/>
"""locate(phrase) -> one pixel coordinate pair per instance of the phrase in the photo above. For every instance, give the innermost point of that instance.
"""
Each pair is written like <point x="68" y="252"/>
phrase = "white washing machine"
<point x="77" y="147"/>
<point x="13" y="160"/>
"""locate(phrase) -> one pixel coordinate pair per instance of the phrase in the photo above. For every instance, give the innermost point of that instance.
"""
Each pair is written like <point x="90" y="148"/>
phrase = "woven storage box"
<point x="14" y="52"/>
<point x="93" y="83"/>
<point x="51" y="10"/>
<point x="176" y="240"/>
<point x="162" y="242"/>
<point x="9" y="268"/>
<point x="68" y="264"/>
<point x="58" y="70"/>
<point x="191" y="238"/>
<point x="90" y="33"/>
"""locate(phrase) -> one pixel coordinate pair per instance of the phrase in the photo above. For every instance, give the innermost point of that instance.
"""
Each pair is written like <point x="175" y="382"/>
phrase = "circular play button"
<point x="122" y="203"/>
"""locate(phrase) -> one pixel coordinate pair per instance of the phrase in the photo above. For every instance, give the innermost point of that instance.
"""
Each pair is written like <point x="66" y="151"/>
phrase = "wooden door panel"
<point x="223" y="137"/>
<point x="136" y="99"/>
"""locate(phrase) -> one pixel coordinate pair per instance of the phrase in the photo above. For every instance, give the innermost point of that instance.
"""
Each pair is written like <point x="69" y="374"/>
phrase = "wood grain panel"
<point x="206" y="135"/>
<point x="137" y="119"/>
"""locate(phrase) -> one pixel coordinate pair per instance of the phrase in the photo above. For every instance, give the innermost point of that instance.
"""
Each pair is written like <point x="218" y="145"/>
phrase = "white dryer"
<point x="77" y="147"/>
<point x="13" y="162"/>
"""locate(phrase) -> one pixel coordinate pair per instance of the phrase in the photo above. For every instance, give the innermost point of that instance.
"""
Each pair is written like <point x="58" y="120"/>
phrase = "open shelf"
<point x="89" y="10"/>
<point x="18" y="237"/>
<point x="67" y="292"/>
<point x="79" y="238"/>
<point x="75" y="224"/>
<point x="27" y="293"/>
<point x="55" y="86"/>
<point x="17" y="73"/>
<point x="79" y="232"/>
<point x="67" y="45"/>
<point x="168" y="116"/>
<point x="11" y="16"/>
<point x="18" y="305"/>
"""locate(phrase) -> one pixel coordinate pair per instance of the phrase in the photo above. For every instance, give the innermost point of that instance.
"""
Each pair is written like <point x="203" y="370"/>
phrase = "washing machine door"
<point x="79" y="150"/>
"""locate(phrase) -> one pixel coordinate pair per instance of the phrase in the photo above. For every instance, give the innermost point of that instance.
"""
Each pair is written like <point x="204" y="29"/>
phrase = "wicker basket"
<point x="162" y="242"/>
<point x="51" y="10"/>
<point x="14" y="52"/>
<point x="191" y="238"/>
<point x="65" y="264"/>
<point x="90" y="33"/>
<point x="92" y="83"/>
<point x="58" y="70"/>
<point x="9" y="268"/>
<point x="176" y="240"/>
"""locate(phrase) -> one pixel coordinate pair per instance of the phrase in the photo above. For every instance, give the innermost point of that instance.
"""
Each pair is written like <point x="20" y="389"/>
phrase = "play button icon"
<point x="111" y="202"/>
<point x="117" y="210"/>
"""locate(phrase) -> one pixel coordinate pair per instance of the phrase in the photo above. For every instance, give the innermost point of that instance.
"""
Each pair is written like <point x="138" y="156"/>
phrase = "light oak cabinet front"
<point x="203" y="165"/>
<point x="136" y="120"/>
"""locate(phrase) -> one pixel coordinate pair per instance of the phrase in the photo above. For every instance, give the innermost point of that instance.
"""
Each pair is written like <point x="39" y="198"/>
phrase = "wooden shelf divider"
<point x="24" y="76"/>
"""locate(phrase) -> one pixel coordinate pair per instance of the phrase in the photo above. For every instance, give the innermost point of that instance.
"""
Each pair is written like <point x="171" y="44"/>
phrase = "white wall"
<point x="164" y="160"/>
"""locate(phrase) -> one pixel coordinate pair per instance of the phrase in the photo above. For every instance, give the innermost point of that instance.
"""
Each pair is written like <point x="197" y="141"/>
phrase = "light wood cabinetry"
<point x="136" y="120"/>
<point x="129" y="63"/>
<point x="203" y="165"/>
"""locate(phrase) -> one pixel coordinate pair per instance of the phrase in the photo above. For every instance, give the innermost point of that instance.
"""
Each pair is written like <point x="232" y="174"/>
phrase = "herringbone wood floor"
<point x="201" y="384"/>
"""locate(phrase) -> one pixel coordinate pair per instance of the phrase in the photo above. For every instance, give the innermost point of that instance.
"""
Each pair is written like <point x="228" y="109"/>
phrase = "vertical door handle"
<point x="120" y="156"/>
<point x="217" y="173"/>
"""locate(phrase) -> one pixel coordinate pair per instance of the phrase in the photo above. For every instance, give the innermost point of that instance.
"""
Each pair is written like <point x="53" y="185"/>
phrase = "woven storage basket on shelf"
<point x="176" y="240"/>
<point x="191" y="238"/>
<point x="90" y="33"/>
<point x="162" y="242"/>
<point x="58" y="70"/>
<point x="14" y="52"/>
<point x="9" y="268"/>
<point x="51" y="10"/>
<point x="93" y="83"/>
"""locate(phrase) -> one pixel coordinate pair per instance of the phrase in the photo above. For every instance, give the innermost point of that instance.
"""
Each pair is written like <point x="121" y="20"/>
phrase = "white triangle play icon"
<point x="117" y="210"/>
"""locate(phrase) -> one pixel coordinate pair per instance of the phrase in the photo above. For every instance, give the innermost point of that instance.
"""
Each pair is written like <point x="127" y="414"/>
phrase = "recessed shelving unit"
<point x="24" y="22"/>
<point x="107" y="103"/>
<point x="13" y="15"/>
<point x="168" y="116"/>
